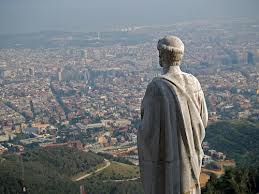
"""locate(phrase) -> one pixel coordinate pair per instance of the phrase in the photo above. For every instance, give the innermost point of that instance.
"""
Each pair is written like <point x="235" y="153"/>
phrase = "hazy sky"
<point x="18" y="16"/>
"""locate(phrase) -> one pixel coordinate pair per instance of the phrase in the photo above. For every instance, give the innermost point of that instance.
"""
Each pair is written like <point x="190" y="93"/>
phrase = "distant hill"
<point x="59" y="39"/>
<point x="237" y="139"/>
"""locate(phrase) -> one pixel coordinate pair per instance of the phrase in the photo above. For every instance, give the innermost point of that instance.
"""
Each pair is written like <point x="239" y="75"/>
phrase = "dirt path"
<point x="122" y="180"/>
<point x="108" y="163"/>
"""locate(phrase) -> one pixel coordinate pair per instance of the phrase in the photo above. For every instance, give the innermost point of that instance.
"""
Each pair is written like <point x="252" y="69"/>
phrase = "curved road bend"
<point x="108" y="163"/>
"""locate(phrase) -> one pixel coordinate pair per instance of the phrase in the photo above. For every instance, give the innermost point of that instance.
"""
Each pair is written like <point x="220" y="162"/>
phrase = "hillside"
<point x="118" y="171"/>
<point x="51" y="171"/>
<point x="118" y="178"/>
<point x="67" y="161"/>
<point x="126" y="187"/>
<point x="45" y="170"/>
<point x="236" y="180"/>
<point x="37" y="179"/>
<point x="237" y="139"/>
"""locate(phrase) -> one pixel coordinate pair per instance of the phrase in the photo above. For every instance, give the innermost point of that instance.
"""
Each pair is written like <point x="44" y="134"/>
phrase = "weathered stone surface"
<point x="173" y="120"/>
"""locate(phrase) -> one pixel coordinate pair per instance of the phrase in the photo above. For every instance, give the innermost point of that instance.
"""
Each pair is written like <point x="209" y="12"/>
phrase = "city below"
<point x="84" y="90"/>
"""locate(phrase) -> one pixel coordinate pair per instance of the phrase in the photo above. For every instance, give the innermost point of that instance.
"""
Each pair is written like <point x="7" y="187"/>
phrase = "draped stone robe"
<point x="173" y="120"/>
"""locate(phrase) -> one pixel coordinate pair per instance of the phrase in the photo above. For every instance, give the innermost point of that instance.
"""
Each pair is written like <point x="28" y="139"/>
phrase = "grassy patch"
<point x="118" y="171"/>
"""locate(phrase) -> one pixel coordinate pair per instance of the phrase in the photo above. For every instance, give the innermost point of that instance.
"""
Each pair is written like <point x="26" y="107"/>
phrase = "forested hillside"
<point x="67" y="161"/>
<point x="237" y="139"/>
<point x="50" y="171"/>
<point x="243" y="180"/>
<point x="45" y="170"/>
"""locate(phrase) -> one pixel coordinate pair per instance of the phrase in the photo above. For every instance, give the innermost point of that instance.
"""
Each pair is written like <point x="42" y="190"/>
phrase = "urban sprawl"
<point x="89" y="97"/>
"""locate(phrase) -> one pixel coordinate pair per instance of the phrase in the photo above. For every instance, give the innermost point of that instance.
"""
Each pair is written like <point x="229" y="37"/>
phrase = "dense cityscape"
<point x="85" y="90"/>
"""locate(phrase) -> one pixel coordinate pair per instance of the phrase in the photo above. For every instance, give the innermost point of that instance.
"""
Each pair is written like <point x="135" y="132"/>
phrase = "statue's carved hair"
<point x="171" y="50"/>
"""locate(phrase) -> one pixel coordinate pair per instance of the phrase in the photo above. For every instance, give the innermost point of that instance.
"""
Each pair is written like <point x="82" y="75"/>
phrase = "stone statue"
<point x="173" y="120"/>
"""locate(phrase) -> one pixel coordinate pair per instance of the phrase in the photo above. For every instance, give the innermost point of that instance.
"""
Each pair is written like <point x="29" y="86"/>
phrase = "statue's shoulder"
<point x="190" y="76"/>
<point x="157" y="82"/>
<point x="192" y="80"/>
<point x="154" y="87"/>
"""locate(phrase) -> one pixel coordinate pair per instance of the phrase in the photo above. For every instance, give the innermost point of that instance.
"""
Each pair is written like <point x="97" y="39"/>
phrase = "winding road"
<point x="108" y="163"/>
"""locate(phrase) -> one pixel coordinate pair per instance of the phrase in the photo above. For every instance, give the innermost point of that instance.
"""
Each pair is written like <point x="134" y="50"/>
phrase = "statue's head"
<point x="171" y="50"/>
